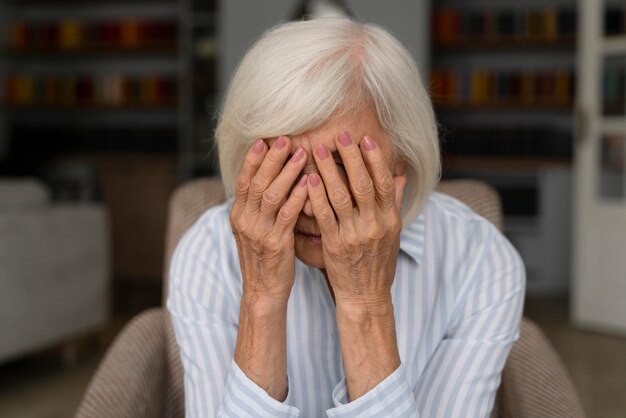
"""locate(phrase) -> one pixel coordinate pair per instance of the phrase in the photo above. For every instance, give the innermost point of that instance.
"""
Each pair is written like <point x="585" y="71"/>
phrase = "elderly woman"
<point x="335" y="281"/>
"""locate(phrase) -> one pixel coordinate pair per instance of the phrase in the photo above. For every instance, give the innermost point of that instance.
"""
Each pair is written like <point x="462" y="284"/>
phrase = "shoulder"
<point x="448" y="219"/>
<point x="471" y="242"/>
<point x="449" y="207"/>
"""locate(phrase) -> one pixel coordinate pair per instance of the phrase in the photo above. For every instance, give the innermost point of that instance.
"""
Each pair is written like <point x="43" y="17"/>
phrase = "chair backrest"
<point x="478" y="195"/>
<point x="188" y="202"/>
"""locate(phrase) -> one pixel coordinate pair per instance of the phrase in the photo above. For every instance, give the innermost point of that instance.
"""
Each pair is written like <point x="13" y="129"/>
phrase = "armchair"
<point x="141" y="374"/>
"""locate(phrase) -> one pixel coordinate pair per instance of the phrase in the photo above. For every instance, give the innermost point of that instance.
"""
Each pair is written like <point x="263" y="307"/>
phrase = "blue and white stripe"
<point x="458" y="298"/>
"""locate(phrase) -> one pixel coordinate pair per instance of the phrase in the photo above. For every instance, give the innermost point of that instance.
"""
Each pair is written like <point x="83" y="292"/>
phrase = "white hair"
<point x="299" y="74"/>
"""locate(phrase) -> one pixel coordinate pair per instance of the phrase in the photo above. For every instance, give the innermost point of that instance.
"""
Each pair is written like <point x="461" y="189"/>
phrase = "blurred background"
<point x="108" y="105"/>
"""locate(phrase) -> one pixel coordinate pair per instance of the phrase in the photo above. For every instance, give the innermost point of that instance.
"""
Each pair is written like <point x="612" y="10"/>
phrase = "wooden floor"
<point x="43" y="387"/>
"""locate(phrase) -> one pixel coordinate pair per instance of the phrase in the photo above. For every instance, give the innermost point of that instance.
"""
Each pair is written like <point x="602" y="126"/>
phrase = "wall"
<point x="241" y="23"/>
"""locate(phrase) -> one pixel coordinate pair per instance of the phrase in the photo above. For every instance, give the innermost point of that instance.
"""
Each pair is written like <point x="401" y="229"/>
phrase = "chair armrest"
<point x="130" y="380"/>
<point x="535" y="382"/>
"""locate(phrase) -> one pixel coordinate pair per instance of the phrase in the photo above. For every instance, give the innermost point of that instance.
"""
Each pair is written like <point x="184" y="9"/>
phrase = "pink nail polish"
<point x="368" y="143"/>
<point x="314" y="180"/>
<point x="297" y="156"/>
<point x="344" y="139"/>
<point x="321" y="152"/>
<point x="280" y="142"/>
<point x="258" y="146"/>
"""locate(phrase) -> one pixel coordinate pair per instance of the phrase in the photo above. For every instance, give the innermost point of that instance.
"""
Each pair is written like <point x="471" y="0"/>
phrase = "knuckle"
<point x="248" y="162"/>
<point x="247" y="168"/>
<point x="272" y="242"/>
<point x="257" y="185"/>
<point x="363" y="188"/>
<point x="271" y="198"/>
<point x="387" y="186"/>
<point x="285" y="214"/>
<point x="351" y="236"/>
<point x="242" y="223"/>
<point x="342" y="198"/>
<point x="326" y="217"/>
<point x="353" y="156"/>
<point x="242" y="185"/>
<point x="239" y="224"/>
<point x="376" y="232"/>
<point x="273" y="158"/>
<point x="396" y="223"/>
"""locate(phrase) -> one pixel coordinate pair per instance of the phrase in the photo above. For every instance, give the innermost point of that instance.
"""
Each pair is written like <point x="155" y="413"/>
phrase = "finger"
<point x="322" y="211"/>
<point x="338" y="193"/>
<point x="289" y="211"/>
<point x="399" y="183"/>
<point x="249" y="168"/>
<point x="383" y="180"/>
<point x="267" y="172"/>
<point x="278" y="190"/>
<point x="358" y="176"/>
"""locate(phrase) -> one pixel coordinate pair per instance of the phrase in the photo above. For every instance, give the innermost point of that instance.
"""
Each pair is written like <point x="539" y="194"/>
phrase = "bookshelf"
<point x="503" y="85"/>
<point x="498" y="45"/>
<point x="70" y="59"/>
<point x="200" y="87"/>
<point x="93" y="93"/>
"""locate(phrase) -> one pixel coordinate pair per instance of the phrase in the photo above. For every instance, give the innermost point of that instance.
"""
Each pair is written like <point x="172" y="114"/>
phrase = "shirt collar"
<point x="413" y="237"/>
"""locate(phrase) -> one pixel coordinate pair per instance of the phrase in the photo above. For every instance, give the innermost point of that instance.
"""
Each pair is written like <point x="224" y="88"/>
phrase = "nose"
<point x="308" y="209"/>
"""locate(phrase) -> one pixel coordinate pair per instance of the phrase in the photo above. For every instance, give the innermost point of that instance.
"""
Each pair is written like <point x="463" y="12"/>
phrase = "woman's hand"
<point x="361" y="242"/>
<point x="360" y="248"/>
<point x="263" y="217"/>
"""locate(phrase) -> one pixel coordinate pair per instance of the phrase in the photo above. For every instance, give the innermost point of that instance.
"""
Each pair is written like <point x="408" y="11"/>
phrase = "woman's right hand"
<point x="263" y="218"/>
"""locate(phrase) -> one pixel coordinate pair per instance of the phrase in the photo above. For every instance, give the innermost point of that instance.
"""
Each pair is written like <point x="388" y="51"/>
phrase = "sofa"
<point x="54" y="268"/>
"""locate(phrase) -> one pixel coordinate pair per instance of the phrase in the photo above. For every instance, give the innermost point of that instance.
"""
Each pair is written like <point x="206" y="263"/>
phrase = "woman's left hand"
<point x="360" y="244"/>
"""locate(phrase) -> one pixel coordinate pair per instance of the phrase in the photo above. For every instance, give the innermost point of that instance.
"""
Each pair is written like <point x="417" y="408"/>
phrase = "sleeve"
<point x="392" y="397"/>
<point x="463" y="374"/>
<point x="204" y="307"/>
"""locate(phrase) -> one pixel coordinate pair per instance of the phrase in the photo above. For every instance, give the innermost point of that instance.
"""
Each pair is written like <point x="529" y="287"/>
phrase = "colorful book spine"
<point x="482" y="87"/>
<point x="549" y="24"/>
<point x="73" y="35"/>
<point x="85" y="91"/>
<point x="70" y="34"/>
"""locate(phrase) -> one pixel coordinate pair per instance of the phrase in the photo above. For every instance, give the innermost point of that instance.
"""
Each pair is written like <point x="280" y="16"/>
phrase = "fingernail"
<point x="280" y="142"/>
<point x="368" y="143"/>
<point x="302" y="181"/>
<point x="345" y="139"/>
<point x="321" y="152"/>
<point x="258" y="146"/>
<point x="314" y="180"/>
<point x="297" y="156"/>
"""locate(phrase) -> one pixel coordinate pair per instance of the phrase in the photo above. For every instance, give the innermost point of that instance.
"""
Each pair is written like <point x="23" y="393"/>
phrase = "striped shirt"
<point x="458" y="297"/>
